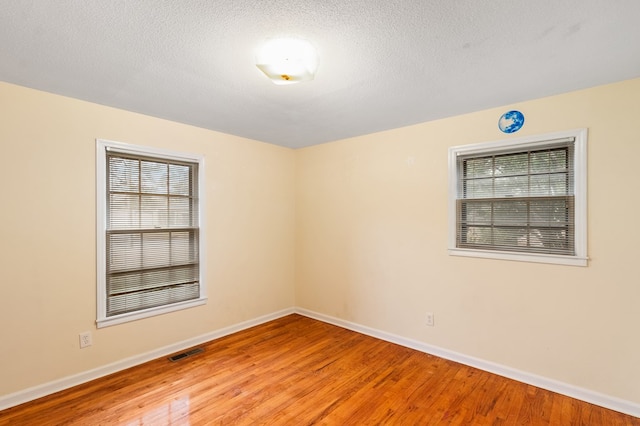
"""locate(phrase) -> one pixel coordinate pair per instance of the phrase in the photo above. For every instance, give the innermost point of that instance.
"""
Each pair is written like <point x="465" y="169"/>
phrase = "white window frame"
<point x="580" y="190"/>
<point x="102" y="146"/>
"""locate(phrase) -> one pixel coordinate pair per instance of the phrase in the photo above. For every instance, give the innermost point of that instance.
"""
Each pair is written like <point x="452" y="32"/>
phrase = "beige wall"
<point x="372" y="246"/>
<point x="47" y="235"/>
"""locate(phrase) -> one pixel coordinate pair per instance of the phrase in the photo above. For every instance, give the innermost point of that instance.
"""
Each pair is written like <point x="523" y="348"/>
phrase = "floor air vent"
<point x="183" y="355"/>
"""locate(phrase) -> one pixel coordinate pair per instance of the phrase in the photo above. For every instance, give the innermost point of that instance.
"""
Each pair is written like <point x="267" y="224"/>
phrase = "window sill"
<point x="521" y="257"/>
<point x="133" y="316"/>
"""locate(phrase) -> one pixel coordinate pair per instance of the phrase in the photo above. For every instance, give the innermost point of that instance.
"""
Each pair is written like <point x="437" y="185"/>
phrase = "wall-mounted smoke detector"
<point x="287" y="60"/>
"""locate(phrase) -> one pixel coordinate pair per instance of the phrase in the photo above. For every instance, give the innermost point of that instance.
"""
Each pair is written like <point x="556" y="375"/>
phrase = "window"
<point x="149" y="227"/>
<point x="521" y="199"/>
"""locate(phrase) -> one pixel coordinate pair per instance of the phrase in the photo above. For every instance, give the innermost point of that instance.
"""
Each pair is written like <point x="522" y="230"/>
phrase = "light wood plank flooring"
<point x="298" y="371"/>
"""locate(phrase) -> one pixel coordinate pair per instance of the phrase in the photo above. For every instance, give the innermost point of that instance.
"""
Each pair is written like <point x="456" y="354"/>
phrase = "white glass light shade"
<point x="287" y="60"/>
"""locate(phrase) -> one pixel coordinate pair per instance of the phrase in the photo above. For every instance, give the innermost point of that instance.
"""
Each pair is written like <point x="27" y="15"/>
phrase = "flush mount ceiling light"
<point x="287" y="60"/>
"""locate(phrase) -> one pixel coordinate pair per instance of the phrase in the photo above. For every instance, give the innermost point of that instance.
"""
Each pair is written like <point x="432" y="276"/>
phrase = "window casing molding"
<point x="579" y="159"/>
<point x="102" y="149"/>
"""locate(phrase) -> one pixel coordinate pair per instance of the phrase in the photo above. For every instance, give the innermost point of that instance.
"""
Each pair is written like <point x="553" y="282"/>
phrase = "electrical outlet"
<point x="85" y="339"/>
<point x="430" y="319"/>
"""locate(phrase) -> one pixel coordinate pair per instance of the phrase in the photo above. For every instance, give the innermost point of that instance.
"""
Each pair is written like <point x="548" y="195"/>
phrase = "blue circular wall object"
<point x="511" y="122"/>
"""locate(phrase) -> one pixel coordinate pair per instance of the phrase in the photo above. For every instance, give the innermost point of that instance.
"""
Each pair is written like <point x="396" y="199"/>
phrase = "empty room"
<point x="333" y="213"/>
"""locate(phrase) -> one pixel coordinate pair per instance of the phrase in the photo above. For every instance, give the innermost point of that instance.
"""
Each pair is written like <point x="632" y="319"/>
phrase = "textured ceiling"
<point x="383" y="64"/>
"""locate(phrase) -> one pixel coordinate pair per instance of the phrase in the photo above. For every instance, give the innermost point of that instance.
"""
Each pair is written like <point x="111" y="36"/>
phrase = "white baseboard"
<point x="20" y="397"/>
<point x="606" y="401"/>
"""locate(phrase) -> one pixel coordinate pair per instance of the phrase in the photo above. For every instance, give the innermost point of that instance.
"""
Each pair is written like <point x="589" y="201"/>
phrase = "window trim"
<point x="102" y="146"/>
<point x="515" y="145"/>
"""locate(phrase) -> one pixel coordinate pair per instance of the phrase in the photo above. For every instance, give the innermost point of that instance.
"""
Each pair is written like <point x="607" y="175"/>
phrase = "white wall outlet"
<point x="430" y="319"/>
<point x="85" y="339"/>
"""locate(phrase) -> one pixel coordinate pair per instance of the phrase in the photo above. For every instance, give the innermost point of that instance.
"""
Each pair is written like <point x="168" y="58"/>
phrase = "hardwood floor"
<point x="298" y="371"/>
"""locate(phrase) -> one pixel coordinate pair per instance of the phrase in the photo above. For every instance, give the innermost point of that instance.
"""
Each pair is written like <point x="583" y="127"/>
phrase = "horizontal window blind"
<point x="519" y="201"/>
<point x="152" y="235"/>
